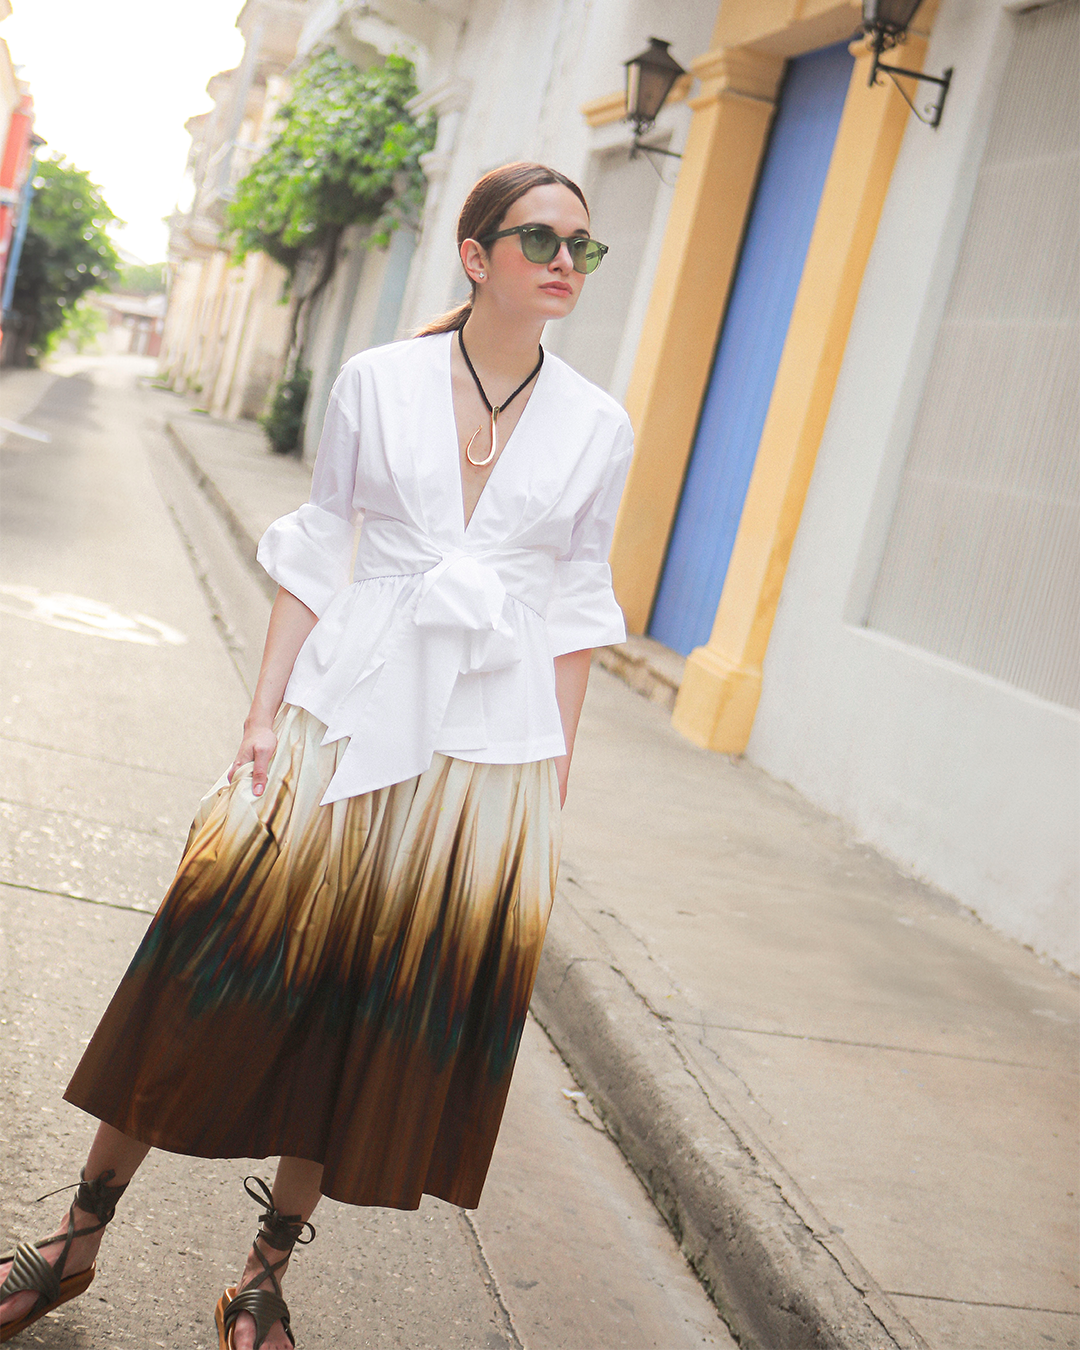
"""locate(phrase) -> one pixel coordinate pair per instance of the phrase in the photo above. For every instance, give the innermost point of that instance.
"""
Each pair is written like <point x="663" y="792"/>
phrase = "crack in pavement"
<point x="82" y="899"/>
<point x="872" y="1045"/>
<point x="99" y="759"/>
<point x="984" y="1303"/>
<point x="94" y="820"/>
<point x="488" y="1276"/>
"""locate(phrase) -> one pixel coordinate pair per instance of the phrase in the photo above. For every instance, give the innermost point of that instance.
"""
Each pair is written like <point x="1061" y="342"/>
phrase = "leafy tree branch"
<point x="347" y="153"/>
<point x="66" y="253"/>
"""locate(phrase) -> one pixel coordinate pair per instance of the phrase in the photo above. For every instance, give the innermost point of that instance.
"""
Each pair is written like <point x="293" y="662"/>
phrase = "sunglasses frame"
<point x="560" y="239"/>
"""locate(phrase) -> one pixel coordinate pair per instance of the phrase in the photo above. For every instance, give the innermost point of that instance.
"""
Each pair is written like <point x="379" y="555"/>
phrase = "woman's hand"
<point x="256" y="748"/>
<point x="562" y="772"/>
<point x="290" y="623"/>
<point x="571" y="680"/>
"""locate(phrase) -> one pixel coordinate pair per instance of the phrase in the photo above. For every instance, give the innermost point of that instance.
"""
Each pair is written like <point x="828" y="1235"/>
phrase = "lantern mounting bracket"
<point x="637" y="148"/>
<point x="942" y="81"/>
<point x="885" y="25"/>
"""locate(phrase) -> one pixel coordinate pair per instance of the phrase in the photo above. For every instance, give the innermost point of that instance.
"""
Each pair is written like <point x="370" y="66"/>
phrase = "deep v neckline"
<point x="504" y="450"/>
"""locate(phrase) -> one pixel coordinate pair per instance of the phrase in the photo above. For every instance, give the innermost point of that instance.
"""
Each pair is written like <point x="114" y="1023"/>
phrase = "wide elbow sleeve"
<point x="583" y="611"/>
<point x="308" y="552"/>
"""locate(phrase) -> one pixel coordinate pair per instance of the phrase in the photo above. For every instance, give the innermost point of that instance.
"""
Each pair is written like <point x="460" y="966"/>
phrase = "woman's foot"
<point x="80" y="1257"/>
<point x="243" y="1330"/>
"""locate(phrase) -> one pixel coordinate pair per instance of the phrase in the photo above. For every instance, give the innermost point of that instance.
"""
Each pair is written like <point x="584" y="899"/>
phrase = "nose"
<point x="562" y="260"/>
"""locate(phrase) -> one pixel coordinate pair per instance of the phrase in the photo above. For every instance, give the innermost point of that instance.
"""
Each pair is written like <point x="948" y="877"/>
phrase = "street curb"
<point x="780" y="1282"/>
<point x="248" y="546"/>
<point x="780" y="1278"/>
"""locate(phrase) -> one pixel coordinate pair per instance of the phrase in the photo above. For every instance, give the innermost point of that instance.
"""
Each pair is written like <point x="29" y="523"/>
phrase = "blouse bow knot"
<point x="463" y="593"/>
<point x="456" y="625"/>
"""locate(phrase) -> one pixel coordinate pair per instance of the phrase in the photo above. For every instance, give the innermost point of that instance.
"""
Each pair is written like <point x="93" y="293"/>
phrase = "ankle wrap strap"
<point x="97" y="1197"/>
<point x="280" y="1231"/>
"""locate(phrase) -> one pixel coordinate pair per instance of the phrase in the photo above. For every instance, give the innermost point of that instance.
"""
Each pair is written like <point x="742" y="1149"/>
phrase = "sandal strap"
<point x="266" y="1308"/>
<point x="31" y="1273"/>
<point x="30" y="1270"/>
<point x="280" y="1231"/>
<point x="98" y="1198"/>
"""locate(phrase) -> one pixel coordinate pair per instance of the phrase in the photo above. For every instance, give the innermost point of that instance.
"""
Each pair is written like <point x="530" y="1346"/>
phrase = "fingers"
<point x="261" y="760"/>
<point x="256" y="751"/>
<point x="243" y="756"/>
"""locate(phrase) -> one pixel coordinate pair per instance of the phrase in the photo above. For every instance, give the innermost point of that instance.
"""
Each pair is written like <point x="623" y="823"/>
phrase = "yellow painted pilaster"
<point x="720" y="162"/>
<point x="722" y="684"/>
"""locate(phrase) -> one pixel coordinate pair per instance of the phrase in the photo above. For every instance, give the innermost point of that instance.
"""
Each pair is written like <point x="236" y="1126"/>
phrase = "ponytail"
<point x="449" y="322"/>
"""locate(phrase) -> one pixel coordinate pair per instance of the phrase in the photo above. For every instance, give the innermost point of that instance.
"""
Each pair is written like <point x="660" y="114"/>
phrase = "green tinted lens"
<point x="539" y="244"/>
<point x="586" y="254"/>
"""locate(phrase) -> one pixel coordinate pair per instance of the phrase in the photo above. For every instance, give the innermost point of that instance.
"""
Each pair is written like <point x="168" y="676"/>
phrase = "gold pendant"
<point x="480" y="463"/>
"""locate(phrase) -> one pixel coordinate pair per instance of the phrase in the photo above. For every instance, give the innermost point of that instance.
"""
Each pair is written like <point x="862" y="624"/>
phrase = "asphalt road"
<point x="130" y="632"/>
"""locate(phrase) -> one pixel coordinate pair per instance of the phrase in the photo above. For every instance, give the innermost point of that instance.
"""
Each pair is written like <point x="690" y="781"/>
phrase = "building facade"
<point x="853" y="505"/>
<point x="922" y="677"/>
<point x="17" y="146"/>
<point x="227" y="327"/>
<point x="135" y="322"/>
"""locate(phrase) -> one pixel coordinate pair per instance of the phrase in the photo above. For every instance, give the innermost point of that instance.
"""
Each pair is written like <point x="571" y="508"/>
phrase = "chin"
<point x="557" y="306"/>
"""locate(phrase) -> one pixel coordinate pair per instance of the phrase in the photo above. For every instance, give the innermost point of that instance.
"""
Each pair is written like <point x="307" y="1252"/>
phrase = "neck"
<point x="502" y="345"/>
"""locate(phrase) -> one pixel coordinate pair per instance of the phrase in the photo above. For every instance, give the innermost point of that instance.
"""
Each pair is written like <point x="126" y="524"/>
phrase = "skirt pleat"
<point x="343" y="983"/>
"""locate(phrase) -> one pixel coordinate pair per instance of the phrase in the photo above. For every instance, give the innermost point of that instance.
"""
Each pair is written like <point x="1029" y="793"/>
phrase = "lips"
<point x="557" y="288"/>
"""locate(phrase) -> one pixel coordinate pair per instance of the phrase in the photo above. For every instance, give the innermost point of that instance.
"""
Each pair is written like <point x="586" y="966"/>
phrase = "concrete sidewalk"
<point x="855" y="1104"/>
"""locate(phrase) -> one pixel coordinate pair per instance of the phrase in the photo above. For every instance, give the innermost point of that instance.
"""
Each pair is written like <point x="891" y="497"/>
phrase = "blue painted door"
<point x="751" y="341"/>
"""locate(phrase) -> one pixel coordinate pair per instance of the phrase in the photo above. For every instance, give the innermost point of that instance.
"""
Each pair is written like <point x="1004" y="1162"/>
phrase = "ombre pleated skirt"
<point x="343" y="983"/>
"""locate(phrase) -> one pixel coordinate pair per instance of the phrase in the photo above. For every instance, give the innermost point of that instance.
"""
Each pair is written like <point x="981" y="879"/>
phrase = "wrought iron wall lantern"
<point x="885" y="24"/>
<point x="650" y="77"/>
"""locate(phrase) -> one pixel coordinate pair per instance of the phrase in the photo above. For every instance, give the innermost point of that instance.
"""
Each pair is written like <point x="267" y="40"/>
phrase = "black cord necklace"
<point x="479" y="463"/>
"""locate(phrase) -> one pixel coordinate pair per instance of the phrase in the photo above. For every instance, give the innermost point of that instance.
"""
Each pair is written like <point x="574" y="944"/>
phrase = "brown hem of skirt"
<point x="344" y="983"/>
<point x="460" y="1199"/>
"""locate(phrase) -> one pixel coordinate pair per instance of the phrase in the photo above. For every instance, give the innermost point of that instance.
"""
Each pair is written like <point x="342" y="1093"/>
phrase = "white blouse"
<point x="444" y="638"/>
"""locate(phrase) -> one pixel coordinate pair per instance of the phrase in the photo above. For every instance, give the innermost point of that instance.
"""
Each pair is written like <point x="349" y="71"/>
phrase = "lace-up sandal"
<point x="281" y="1232"/>
<point x="31" y="1273"/>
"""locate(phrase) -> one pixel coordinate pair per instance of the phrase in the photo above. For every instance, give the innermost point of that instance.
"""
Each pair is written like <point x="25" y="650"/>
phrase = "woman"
<point x="340" y="972"/>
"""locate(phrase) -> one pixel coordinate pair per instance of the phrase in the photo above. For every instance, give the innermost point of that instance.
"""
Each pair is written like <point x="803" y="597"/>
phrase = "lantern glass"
<point x="893" y="16"/>
<point x="649" y="78"/>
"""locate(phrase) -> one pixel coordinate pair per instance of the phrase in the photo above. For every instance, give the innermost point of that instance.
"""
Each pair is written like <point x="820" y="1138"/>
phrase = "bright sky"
<point x="113" y="84"/>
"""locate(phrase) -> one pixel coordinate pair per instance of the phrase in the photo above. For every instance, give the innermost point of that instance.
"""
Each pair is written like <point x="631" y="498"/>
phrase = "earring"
<point x="481" y="276"/>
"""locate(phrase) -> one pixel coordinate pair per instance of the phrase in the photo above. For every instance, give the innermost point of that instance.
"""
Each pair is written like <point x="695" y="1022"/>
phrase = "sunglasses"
<point x="540" y="244"/>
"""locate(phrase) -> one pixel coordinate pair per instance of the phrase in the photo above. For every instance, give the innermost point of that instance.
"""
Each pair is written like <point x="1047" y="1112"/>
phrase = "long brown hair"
<point x="484" y="211"/>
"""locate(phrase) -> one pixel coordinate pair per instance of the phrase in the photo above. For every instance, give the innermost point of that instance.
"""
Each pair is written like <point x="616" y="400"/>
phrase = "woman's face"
<point x="517" y="286"/>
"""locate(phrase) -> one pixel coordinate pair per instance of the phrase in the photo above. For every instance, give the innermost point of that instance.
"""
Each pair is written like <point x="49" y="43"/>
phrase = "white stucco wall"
<point x="512" y="88"/>
<point x="966" y="781"/>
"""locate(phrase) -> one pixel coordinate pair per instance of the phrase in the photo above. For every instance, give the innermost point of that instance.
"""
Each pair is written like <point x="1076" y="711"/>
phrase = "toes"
<point x="16" y="1306"/>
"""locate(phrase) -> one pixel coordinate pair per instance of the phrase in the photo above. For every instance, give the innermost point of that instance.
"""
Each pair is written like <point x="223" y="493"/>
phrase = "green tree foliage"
<point x="83" y="324"/>
<point x="65" y="254"/>
<point x="141" y="278"/>
<point x="347" y="153"/>
<point x="284" y="422"/>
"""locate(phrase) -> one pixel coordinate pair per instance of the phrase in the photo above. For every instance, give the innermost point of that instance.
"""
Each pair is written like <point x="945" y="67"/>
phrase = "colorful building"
<point x="17" y="144"/>
<point x="853" y="505"/>
<point x="227" y="328"/>
<point x="135" y="322"/>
